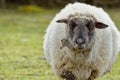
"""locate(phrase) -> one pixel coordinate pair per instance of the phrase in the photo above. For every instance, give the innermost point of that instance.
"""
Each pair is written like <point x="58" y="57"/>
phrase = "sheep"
<point x="81" y="42"/>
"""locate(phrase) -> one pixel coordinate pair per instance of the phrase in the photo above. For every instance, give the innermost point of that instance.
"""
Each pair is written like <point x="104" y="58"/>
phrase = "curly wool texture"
<point x="93" y="63"/>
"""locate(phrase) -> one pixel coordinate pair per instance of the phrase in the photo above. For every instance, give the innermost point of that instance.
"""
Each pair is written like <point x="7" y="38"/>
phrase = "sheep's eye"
<point x="73" y="24"/>
<point x="90" y="25"/>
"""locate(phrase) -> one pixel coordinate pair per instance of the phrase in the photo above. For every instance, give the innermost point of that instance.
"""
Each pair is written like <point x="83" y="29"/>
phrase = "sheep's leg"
<point x="93" y="75"/>
<point x="67" y="75"/>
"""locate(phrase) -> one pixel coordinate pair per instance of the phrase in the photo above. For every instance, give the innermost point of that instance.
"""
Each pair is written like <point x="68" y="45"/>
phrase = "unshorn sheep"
<point x="81" y="42"/>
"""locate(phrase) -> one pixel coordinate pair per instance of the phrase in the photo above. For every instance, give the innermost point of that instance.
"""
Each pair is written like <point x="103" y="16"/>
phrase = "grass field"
<point x="21" y="40"/>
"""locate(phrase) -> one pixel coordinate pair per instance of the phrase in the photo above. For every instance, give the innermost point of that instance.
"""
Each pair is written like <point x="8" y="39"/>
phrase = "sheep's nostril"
<point x="80" y="41"/>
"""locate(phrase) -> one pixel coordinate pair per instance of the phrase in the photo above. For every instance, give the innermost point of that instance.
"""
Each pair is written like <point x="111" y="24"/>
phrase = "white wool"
<point x="103" y="54"/>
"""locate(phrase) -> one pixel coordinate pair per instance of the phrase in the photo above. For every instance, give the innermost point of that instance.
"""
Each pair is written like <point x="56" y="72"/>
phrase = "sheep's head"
<point x="81" y="30"/>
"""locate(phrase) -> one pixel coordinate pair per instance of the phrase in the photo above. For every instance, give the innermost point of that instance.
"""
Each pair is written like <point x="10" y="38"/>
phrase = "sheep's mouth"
<point x="80" y="47"/>
<point x="73" y="46"/>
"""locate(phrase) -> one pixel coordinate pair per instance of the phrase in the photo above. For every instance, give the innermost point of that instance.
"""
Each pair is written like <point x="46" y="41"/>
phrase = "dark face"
<point x="81" y="31"/>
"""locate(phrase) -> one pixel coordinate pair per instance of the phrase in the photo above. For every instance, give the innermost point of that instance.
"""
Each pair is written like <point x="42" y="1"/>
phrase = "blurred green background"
<point x="22" y="28"/>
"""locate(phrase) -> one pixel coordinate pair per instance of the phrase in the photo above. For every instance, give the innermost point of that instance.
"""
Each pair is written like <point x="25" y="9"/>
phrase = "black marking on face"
<point x="67" y="75"/>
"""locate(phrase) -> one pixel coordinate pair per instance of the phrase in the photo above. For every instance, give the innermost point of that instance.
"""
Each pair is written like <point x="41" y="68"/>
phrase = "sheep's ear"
<point x="100" y="25"/>
<point x="62" y="21"/>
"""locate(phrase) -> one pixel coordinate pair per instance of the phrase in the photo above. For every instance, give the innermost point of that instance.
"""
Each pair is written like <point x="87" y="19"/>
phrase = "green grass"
<point x="21" y="40"/>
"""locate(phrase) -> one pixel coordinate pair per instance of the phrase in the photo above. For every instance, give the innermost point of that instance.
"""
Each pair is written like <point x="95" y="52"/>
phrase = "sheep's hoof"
<point x="94" y="74"/>
<point x="67" y="75"/>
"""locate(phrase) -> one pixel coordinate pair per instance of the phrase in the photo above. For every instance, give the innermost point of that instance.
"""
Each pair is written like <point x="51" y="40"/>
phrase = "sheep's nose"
<point x="80" y="41"/>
